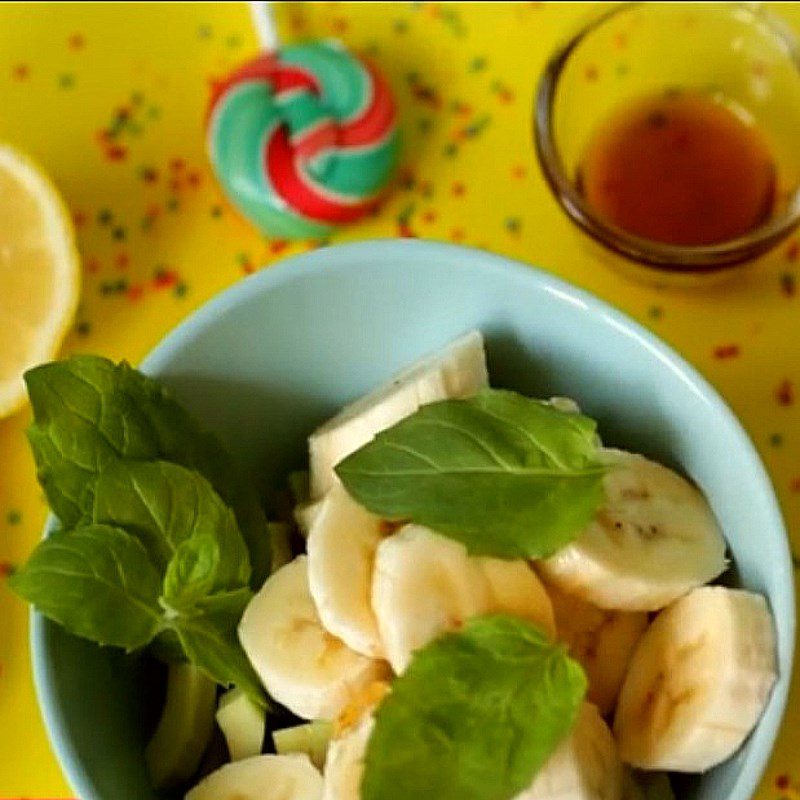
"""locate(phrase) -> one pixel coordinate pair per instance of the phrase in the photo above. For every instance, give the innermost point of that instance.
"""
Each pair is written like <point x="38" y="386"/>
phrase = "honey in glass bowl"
<point x="681" y="168"/>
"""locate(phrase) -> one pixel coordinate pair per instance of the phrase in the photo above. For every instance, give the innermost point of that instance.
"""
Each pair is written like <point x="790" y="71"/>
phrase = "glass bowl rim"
<point x="671" y="258"/>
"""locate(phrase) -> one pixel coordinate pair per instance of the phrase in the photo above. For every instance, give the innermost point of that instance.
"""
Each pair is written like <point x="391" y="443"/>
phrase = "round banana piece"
<point x="344" y="766"/>
<point x="424" y="584"/>
<point x="301" y="664"/>
<point x="602" y="641"/>
<point x="698" y="681"/>
<point x="341" y="555"/>
<point x="654" y="539"/>
<point x="282" y="777"/>
<point x="585" y="766"/>
<point x="458" y="370"/>
<point x="514" y="588"/>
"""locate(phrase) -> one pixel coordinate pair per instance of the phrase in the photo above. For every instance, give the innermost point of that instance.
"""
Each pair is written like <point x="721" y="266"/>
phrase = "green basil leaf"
<point x="191" y="574"/>
<point x="210" y="642"/>
<point x="96" y="581"/>
<point x="89" y="412"/>
<point x="166" y="505"/>
<point x="475" y="716"/>
<point x="508" y="476"/>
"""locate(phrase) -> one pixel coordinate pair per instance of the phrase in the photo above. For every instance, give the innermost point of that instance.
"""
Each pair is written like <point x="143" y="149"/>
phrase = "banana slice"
<point x="281" y="777"/>
<point x="585" y="766"/>
<point x="459" y="370"/>
<point x="344" y="767"/>
<point x="514" y="588"/>
<point x="302" y="665"/>
<point x="424" y="584"/>
<point x="654" y="539"/>
<point x="305" y="514"/>
<point x="341" y="555"/>
<point x="602" y="641"/>
<point x="698" y="681"/>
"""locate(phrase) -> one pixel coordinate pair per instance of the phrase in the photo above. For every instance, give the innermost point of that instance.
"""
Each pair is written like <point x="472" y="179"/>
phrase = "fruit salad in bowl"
<point x="473" y="596"/>
<point x="470" y="572"/>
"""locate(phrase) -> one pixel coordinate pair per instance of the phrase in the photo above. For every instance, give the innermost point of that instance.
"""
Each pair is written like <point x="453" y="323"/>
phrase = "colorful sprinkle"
<point x="784" y="393"/>
<point x="14" y="517"/>
<point x="77" y="41"/>
<point x="788" y="284"/>
<point x="724" y="351"/>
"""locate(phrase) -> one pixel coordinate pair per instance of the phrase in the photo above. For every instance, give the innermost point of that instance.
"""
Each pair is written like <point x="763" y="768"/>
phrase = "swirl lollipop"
<point x="303" y="138"/>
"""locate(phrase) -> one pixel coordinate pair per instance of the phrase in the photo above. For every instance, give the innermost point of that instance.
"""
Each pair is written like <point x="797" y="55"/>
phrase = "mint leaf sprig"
<point x="151" y="552"/>
<point x="89" y="412"/>
<point x="506" y="475"/>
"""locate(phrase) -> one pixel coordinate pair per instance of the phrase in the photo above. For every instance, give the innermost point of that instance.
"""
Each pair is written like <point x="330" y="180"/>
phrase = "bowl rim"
<point x="661" y="257"/>
<point x="299" y="267"/>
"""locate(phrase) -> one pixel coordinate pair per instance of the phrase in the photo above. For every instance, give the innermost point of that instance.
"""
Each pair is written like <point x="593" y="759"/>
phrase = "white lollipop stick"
<point x="264" y="21"/>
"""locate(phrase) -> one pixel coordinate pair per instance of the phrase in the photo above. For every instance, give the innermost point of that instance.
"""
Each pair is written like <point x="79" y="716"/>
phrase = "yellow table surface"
<point x="157" y="239"/>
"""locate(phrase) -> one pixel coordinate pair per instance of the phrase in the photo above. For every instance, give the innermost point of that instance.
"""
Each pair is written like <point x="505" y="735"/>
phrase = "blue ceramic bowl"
<point x="266" y="361"/>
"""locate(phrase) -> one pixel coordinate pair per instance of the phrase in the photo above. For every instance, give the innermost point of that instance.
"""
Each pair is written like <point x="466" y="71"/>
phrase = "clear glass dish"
<point x="739" y="53"/>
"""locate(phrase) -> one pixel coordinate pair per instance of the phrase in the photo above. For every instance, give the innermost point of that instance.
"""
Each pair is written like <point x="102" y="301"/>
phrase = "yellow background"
<point x="157" y="238"/>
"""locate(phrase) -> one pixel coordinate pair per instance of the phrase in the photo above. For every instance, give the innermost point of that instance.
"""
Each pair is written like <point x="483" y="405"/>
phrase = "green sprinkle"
<point x="14" y="517"/>
<point x="776" y="440"/>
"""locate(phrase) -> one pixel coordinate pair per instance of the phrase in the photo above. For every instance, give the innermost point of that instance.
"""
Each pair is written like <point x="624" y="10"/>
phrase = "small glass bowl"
<point x="736" y="52"/>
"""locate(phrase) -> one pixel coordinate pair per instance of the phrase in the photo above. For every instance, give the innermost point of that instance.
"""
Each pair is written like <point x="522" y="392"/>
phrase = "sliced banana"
<point x="301" y="664"/>
<point x="698" y="681"/>
<point x="514" y="588"/>
<point x="305" y="514"/>
<point x="344" y="766"/>
<point x="424" y="584"/>
<point x="459" y="370"/>
<point x="654" y="539"/>
<point x="242" y="723"/>
<point x="341" y="555"/>
<point x="279" y="777"/>
<point x="602" y="641"/>
<point x="585" y="766"/>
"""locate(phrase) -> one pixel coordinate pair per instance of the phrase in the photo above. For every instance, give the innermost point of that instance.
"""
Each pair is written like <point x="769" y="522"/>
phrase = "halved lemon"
<point x="39" y="273"/>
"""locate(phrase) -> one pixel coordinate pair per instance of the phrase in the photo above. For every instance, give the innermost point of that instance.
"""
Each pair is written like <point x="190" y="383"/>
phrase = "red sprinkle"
<point x="165" y="279"/>
<point x="795" y="485"/>
<point x="793" y="250"/>
<point x="6" y="568"/>
<point x="782" y="782"/>
<point x="122" y="260"/>
<point x="458" y="189"/>
<point x="135" y="292"/>
<point x="278" y="246"/>
<point x="79" y="219"/>
<point x="591" y="73"/>
<point x="727" y="351"/>
<point x="92" y="266"/>
<point x="784" y="394"/>
<point x="519" y="172"/>
<point x="116" y="152"/>
<point x="429" y="216"/>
